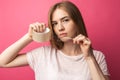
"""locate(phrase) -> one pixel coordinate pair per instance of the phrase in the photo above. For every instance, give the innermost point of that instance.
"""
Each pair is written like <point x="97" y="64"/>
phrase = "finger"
<point x="79" y="39"/>
<point x="87" y="41"/>
<point x="37" y="26"/>
<point x="75" y="39"/>
<point x="31" y="26"/>
<point x="43" y="26"/>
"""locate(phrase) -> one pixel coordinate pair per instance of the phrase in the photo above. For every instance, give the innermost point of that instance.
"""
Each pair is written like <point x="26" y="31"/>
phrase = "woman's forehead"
<point x="59" y="14"/>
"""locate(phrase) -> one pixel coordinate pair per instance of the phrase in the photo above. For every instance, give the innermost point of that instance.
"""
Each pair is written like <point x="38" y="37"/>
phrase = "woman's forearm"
<point x="12" y="51"/>
<point x="95" y="70"/>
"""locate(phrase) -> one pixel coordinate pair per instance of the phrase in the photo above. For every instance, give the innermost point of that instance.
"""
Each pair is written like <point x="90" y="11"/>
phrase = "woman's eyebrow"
<point x="64" y="17"/>
<point x="61" y="18"/>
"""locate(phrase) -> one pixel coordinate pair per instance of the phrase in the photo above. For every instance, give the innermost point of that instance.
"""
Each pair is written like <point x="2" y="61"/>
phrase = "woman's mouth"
<point x="63" y="35"/>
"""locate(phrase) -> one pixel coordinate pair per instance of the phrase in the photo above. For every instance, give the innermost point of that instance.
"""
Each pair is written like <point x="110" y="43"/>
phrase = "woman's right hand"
<point x="10" y="57"/>
<point x="38" y="27"/>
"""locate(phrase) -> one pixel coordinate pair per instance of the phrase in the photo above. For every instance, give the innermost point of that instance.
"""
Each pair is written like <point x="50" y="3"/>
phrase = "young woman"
<point x="70" y="55"/>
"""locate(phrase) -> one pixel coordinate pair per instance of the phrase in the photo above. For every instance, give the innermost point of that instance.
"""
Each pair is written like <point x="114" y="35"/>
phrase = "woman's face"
<point x="63" y="25"/>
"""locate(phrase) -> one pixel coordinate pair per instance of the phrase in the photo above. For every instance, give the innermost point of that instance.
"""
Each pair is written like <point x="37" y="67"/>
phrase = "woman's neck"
<point x="71" y="49"/>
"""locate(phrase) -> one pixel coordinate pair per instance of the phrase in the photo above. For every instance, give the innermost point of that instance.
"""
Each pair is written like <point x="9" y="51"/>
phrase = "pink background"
<point x="102" y="19"/>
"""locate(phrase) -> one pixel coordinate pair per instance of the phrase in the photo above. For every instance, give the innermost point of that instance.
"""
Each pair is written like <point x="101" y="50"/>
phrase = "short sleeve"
<point x="100" y="57"/>
<point x="34" y="56"/>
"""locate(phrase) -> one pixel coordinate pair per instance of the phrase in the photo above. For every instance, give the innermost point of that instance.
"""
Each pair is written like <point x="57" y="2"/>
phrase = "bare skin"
<point x="63" y="27"/>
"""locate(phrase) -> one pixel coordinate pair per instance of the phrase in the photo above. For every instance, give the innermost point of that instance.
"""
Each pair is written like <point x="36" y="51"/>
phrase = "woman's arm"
<point x="95" y="69"/>
<point x="85" y="46"/>
<point x="11" y="58"/>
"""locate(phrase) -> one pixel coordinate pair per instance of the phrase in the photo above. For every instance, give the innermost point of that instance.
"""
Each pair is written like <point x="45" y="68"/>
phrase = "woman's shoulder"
<point x="41" y="49"/>
<point x="48" y="47"/>
<point x="99" y="55"/>
<point x="39" y="52"/>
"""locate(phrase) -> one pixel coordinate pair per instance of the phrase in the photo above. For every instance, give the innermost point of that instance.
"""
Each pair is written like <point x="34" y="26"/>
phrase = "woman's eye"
<point x="65" y="20"/>
<point x="54" y="24"/>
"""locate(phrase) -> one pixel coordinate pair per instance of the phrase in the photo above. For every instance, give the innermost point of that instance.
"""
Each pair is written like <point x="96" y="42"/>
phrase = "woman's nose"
<point x="60" y="27"/>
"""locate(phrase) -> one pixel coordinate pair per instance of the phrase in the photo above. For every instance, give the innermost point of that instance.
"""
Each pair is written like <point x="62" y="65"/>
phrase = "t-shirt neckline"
<point x="75" y="58"/>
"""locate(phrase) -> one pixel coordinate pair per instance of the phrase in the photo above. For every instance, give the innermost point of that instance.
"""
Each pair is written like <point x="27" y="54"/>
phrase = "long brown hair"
<point x="75" y="15"/>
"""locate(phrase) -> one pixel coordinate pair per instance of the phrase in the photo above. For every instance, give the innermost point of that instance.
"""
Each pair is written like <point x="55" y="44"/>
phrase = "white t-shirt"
<point x="49" y="64"/>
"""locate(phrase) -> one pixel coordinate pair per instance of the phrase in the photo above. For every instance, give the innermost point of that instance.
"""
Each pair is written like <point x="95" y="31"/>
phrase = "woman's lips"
<point x="63" y="35"/>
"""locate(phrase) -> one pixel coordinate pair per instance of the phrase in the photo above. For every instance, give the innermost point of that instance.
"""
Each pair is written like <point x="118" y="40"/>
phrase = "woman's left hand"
<point x="84" y="43"/>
